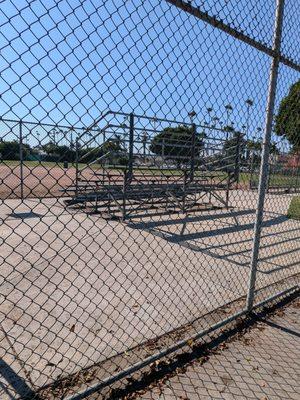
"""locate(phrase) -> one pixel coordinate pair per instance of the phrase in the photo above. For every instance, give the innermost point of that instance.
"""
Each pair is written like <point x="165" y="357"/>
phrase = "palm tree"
<point x="144" y="143"/>
<point x="209" y="110"/>
<point x="229" y="110"/>
<point x="215" y="121"/>
<point x="192" y="115"/>
<point x="249" y="104"/>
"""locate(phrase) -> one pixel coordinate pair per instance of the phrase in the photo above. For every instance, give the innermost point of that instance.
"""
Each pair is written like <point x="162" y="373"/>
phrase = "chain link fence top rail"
<point x="147" y="193"/>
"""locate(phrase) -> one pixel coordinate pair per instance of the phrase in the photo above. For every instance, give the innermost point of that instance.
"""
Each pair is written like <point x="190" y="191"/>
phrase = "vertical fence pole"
<point x="239" y="137"/>
<point x="193" y="143"/>
<point x="128" y="174"/>
<point x="265" y="152"/>
<point x="21" y="156"/>
<point x="124" y="195"/>
<point x="131" y="137"/>
<point x="76" y="166"/>
<point x="251" y="170"/>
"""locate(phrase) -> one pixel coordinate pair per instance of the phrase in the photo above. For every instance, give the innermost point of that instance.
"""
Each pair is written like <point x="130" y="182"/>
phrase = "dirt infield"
<point x="43" y="181"/>
<point x="38" y="181"/>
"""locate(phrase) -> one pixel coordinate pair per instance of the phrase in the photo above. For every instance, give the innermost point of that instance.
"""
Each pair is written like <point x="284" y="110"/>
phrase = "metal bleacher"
<point x="186" y="175"/>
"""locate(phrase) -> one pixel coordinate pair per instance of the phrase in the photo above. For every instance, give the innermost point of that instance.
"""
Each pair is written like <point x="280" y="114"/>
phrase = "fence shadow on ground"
<point x="187" y="236"/>
<point x="16" y="385"/>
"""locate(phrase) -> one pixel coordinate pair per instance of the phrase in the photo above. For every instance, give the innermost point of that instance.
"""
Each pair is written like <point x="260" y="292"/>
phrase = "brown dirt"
<point x="39" y="181"/>
<point x="44" y="181"/>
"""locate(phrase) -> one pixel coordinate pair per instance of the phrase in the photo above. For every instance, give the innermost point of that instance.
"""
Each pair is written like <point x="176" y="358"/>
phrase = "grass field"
<point x="32" y="164"/>
<point x="275" y="180"/>
<point x="284" y="180"/>
<point x="294" y="208"/>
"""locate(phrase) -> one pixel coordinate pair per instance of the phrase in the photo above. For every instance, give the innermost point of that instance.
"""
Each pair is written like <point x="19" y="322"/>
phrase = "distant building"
<point x="290" y="160"/>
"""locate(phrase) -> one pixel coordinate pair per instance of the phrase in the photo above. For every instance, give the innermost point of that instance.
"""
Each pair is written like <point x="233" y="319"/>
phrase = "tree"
<point x="113" y="149"/>
<point x="287" y="121"/>
<point x="175" y="143"/>
<point x="233" y="147"/>
<point x="117" y="154"/>
<point x="10" y="150"/>
<point x="113" y="145"/>
<point x="56" y="153"/>
<point x="253" y="150"/>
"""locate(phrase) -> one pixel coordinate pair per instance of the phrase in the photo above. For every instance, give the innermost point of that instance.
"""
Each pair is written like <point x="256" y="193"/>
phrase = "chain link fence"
<point x="149" y="181"/>
<point x="253" y="364"/>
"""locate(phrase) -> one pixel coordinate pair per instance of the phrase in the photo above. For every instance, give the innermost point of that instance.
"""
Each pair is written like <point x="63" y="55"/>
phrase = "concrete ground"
<point x="264" y="364"/>
<point x="76" y="289"/>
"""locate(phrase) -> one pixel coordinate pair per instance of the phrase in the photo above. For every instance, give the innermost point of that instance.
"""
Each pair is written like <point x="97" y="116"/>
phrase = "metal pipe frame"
<point x="263" y="178"/>
<point x="193" y="142"/>
<point x="21" y="156"/>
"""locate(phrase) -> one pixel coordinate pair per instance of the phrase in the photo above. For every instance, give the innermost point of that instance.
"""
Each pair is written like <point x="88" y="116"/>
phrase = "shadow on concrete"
<point x="221" y="250"/>
<point x="15" y="384"/>
<point x="150" y="224"/>
<point x="282" y="328"/>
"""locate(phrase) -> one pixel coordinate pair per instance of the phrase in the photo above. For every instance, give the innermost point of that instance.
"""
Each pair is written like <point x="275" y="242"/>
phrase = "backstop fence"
<point x="149" y="180"/>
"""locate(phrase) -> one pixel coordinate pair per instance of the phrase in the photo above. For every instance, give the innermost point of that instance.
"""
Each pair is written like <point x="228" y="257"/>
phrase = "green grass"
<point x="31" y="164"/>
<point x="284" y="180"/>
<point x="46" y="164"/>
<point x="294" y="208"/>
<point x="276" y="180"/>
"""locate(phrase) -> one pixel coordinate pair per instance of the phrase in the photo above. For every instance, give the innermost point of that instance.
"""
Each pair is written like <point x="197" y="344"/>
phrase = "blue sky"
<point x="67" y="61"/>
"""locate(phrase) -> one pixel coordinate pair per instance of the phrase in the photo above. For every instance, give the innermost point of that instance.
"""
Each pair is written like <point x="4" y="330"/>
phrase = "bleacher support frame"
<point x="122" y="191"/>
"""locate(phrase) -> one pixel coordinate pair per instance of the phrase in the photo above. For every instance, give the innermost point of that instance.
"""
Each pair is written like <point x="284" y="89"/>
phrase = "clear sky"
<point x="67" y="61"/>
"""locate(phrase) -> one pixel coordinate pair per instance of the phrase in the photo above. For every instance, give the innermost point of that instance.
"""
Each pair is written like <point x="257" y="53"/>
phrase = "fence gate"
<point x="148" y="195"/>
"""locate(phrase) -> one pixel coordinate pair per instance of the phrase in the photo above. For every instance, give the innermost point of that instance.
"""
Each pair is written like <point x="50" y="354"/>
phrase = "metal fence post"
<point x="251" y="184"/>
<point x="193" y="143"/>
<point x="128" y="174"/>
<point x="131" y="138"/>
<point x="239" y="137"/>
<point x="76" y="166"/>
<point x="265" y="152"/>
<point x="21" y="156"/>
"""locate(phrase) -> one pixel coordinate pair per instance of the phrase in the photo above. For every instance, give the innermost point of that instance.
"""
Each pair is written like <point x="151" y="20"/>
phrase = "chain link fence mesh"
<point x="255" y="364"/>
<point x="130" y="158"/>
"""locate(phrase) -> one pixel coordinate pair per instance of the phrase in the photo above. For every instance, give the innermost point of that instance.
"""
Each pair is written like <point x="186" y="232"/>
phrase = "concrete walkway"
<point x="263" y="364"/>
<point x="76" y="289"/>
